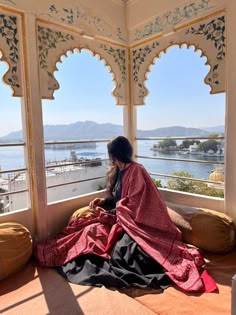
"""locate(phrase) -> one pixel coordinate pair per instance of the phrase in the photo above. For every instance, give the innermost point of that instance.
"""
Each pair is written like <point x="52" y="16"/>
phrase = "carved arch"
<point x="10" y="52"/>
<point x="208" y="37"/>
<point x="53" y="44"/>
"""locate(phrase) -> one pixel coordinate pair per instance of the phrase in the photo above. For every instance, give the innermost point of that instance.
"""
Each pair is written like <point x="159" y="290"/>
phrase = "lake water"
<point x="12" y="158"/>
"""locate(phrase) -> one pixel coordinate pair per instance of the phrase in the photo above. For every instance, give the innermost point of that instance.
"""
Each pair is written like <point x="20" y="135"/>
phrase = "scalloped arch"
<point x="94" y="55"/>
<point x="3" y="59"/>
<point x="54" y="44"/>
<point x="10" y="53"/>
<point x="188" y="46"/>
<point x="9" y="77"/>
<point x="207" y="37"/>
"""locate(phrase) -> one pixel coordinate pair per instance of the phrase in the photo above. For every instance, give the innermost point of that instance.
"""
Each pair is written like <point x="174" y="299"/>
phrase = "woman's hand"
<point x="97" y="211"/>
<point x="96" y="202"/>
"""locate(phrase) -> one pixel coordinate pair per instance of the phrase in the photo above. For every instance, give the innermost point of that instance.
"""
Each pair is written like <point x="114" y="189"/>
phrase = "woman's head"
<point x="120" y="149"/>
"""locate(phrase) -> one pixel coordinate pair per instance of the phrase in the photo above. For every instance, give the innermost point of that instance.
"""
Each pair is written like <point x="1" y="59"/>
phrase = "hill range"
<point x="92" y="130"/>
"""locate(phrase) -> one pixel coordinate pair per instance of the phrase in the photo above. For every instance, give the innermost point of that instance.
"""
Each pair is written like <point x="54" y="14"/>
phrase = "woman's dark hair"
<point x="120" y="149"/>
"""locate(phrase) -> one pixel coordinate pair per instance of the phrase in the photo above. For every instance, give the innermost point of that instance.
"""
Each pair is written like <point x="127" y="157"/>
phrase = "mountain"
<point x="93" y="130"/>
<point x="215" y="129"/>
<point x="81" y="130"/>
<point x="174" y="131"/>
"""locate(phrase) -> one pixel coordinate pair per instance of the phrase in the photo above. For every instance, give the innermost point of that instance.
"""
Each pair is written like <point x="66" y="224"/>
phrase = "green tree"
<point x="192" y="186"/>
<point x="167" y="143"/>
<point x="181" y="183"/>
<point x="213" y="135"/>
<point x="157" y="182"/>
<point x="186" y="143"/>
<point x="208" y="145"/>
<point x="203" y="189"/>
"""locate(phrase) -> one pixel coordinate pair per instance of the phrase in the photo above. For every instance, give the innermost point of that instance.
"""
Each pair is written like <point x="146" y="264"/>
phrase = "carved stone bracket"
<point x="53" y="43"/>
<point x="9" y="47"/>
<point x="209" y="37"/>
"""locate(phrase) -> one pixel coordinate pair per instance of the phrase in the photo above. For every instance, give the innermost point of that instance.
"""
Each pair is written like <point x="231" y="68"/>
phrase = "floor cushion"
<point x="82" y="212"/>
<point x="204" y="228"/>
<point x="207" y="229"/>
<point x="15" y="248"/>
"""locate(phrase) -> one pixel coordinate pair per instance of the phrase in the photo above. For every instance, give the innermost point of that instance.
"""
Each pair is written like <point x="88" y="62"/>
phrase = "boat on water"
<point x="183" y="152"/>
<point x="155" y="147"/>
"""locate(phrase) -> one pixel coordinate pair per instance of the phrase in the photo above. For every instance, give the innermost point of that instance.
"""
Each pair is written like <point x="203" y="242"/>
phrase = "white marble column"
<point x="32" y="109"/>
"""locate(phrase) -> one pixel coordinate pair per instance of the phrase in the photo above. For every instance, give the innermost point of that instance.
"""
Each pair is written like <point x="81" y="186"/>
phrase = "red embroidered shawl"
<point x="142" y="213"/>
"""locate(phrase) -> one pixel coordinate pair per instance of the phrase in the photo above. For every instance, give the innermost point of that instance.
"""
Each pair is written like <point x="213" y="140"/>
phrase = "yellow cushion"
<point x="82" y="212"/>
<point x="15" y="248"/>
<point x="207" y="229"/>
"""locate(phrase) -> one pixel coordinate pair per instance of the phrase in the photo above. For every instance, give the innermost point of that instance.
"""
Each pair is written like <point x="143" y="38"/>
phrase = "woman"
<point x="131" y="241"/>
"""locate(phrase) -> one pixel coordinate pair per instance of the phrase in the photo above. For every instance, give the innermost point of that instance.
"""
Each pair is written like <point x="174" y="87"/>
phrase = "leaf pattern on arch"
<point x="214" y="79"/>
<point x="9" y="32"/>
<point x="119" y="58"/>
<point x="48" y="39"/>
<point x="213" y="31"/>
<point x="138" y="57"/>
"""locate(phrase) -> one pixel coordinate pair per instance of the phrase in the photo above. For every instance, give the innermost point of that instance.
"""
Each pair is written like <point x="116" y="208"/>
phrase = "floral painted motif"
<point x="215" y="76"/>
<point x="48" y="39"/>
<point x="8" y="31"/>
<point x="119" y="34"/>
<point x="139" y="56"/>
<point x="119" y="58"/>
<point x="71" y="16"/>
<point x="172" y="18"/>
<point x="215" y="32"/>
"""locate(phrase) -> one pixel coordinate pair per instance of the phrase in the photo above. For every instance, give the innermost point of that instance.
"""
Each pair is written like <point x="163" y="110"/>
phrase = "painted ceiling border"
<point x="167" y="21"/>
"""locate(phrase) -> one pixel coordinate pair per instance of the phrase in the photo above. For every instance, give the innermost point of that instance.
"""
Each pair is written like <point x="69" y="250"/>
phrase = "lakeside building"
<point x="63" y="183"/>
<point x="193" y="148"/>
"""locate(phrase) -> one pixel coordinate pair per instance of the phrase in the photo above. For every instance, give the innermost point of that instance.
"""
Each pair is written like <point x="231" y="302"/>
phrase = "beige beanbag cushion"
<point x="15" y="248"/>
<point x="82" y="212"/>
<point x="207" y="229"/>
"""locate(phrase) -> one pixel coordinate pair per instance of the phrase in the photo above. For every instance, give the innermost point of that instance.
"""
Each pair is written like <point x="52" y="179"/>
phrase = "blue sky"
<point x="178" y="95"/>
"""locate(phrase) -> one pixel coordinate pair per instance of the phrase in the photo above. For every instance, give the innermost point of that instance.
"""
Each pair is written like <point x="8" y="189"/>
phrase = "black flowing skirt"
<point x="129" y="266"/>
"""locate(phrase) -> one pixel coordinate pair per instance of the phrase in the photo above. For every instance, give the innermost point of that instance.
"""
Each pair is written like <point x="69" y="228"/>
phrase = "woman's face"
<point x="113" y="160"/>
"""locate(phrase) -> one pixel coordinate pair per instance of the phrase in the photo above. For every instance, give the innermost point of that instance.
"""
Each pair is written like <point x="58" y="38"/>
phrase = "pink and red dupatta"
<point x="143" y="215"/>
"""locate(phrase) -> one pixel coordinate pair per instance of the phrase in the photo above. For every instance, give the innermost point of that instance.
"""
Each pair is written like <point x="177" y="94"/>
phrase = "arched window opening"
<point x="82" y="112"/>
<point x="187" y="123"/>
<point x="13" y="184"/>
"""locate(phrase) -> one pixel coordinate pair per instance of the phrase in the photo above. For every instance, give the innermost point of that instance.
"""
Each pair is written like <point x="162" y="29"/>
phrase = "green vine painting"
<point x="214" y="78"/>
<point x="48" y="39"/>
<point x="71" y="16"/>
<point x="119" y="58"/>
<point x="138" y="57"/>
<point x="8" y="31"/>
<point x="213" y="31"/>
<point x="174" y="17"/>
